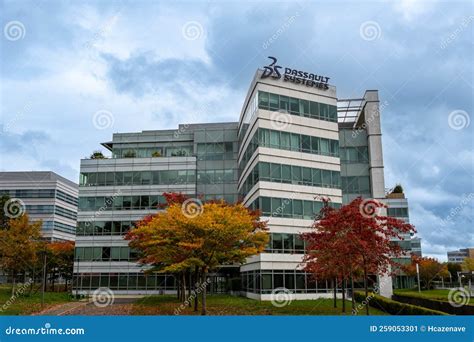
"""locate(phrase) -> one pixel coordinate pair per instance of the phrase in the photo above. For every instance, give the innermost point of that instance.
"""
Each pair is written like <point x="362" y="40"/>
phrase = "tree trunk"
<point x="190" y="287"/>
<point x="366" y="291"/>
<point x="178" y="288"/>
<point x="13" y="284"/>
<point x="352" y="294"/>
<point x="183" y="286"/>
<point x="334" y="285"/>
<point x="204" y="290"/>
<point x="196" y="281"/>
<point x="343" y="294"/>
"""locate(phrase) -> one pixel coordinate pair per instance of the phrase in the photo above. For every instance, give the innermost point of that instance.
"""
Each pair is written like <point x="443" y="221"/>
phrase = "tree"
<point x="429" y="268"/>
<point x="19" y="243"/>
<point x="198" y="236"/>
<point x="353" y="238"/>
<point x="61" y="260"/>
<point x="468" y="264"/>
<point x="453" y="269"/>
<point x="3" y="217"/>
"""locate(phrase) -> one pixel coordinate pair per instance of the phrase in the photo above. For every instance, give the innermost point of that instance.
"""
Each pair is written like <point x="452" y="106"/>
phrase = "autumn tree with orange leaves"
<point x="192" y="236"/>
<point x="430" y="269"/>
<point x="351" y="239"/>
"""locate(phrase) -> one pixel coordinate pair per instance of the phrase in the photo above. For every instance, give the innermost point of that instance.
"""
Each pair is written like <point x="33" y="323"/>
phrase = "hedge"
<point x="394" y="307"/>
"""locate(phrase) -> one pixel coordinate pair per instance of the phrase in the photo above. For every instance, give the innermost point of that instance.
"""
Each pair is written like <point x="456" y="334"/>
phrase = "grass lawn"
<point x="229" y="305"/>
<point x="26" y="305"/>
<point x="439" y="294"/>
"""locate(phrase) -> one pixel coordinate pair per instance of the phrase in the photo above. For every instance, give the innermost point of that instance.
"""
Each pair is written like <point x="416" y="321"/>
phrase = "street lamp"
<point x="418" y="277"/>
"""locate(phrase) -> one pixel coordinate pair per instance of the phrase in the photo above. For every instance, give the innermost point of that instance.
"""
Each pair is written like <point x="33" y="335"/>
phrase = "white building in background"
<point x="45" y="196"/>
<point x="295" y="142"/>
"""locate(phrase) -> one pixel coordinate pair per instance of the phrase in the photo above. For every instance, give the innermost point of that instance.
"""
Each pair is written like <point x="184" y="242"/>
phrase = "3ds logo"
<point x="272" y="69"/>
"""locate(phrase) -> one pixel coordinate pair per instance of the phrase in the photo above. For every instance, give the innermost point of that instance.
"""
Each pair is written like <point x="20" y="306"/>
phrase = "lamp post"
<point x="418" y="277"/>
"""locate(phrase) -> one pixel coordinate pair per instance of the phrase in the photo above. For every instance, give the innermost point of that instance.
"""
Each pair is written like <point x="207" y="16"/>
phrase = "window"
<point x="285" y="140"/>
<point x="294" y="106"/>
<point x="324" y="145"/>
<point x="296" y="174"/>
<point x="307" y="176"/>
<point x="263" y="99"/>
<point x="276" y="172"/>
<point x="274" y="102"/>
<point x="286" y="173"/>
<point x="295" y="142"/>
<point x="284" y="103"/>
<point x="264" y="171"/>
<point x="275" y="139"/>
<point x="306" y="143"/>
<point x="298" y="208"/>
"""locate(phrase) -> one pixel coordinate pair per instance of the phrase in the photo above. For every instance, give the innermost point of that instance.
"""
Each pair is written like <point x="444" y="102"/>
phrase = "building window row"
<point x="124" y="281"/>
<point x="59" y="226"/>
<point x="295" y="106"/>
<point x="105" y="254"/>
<point x="291" y="174"/>
<point x="161" y="177"/>
<point x="397" y="212"/>
<point x="216" y="176"/>
<point x="215" y="151"/>
<point x="291" y="142"/>
<point x="40" y="193"/>
<point x="152" y="152"/>
<point x="350" y="155"/>
<point x="287" y="207"/>
<point x="264" y="281"/>
<point x="50" y="210"/>
<point x="285" y="243"/>
<point x="103" y="227"/>
<point x="101" y="203"/>
<point x="355" y="185"/>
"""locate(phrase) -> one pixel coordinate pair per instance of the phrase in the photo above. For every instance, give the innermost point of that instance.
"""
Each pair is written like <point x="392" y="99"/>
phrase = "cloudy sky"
<point x="73" y="73"/>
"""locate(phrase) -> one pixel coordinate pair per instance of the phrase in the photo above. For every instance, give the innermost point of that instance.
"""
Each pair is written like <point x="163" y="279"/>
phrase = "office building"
<point x="45" y="196"/>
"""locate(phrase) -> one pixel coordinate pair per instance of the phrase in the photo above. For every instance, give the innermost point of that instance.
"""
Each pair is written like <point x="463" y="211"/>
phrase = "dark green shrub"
<point x="394" y="307"/>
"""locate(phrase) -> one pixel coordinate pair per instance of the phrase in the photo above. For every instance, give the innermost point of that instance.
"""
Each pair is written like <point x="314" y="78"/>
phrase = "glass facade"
<point x="91" y="228"/>
<point x="138" y="202"/>
<point x="291" y="174"/>
<point x="152" y="152"/>
<point x="264" y="281"/>
<point x="295" y="106"/>
<point x="287" y="207"/>
<point x="161" y="177"/>
<point x="289" y="141"/>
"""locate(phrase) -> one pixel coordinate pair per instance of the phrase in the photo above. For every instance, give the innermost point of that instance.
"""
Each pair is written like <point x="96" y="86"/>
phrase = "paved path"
<point x="120" y="306"/>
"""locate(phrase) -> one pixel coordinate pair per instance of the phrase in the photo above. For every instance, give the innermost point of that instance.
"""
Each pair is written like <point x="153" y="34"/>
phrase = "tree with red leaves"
<point x="353" y="238"/>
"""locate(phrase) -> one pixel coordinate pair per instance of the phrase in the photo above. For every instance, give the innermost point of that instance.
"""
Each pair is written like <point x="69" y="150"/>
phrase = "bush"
<point x="394" y="307"/>
<point x="97" y="155"/>
<point x="397" y="189"/>
<point x="156" y="154"/>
